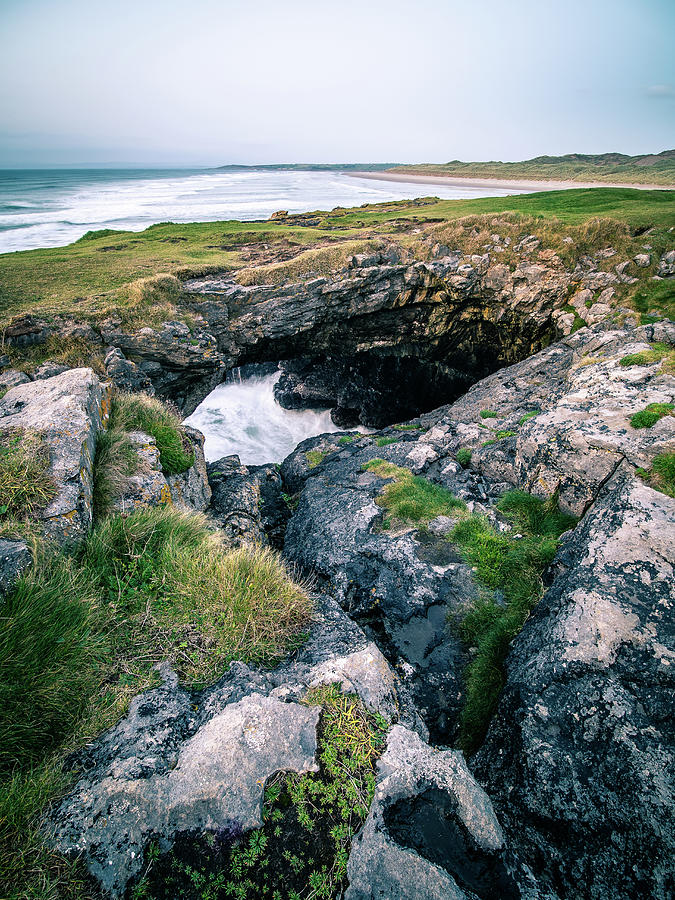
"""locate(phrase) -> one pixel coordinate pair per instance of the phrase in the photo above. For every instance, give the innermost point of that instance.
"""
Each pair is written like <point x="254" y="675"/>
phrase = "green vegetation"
<point x="80" y="636"/>
<point x="488" y="414"/>
<point x="651" y="414"/>
<point x="500" y="435"/>
<point x="530" y="415"/>
<point x="347" y="438"/>
<point x="407" y="427"/>
<point x="657" y="352"/>
<point x="578" y="321"/>
<point x="409" y="498"/>
<point x="463" y="457"/>
<point x="316" y="457"/>
<point x="662" y="474"/>
<point x="115" y="461"/>
<point x="26" y="486"/>
<point x="132" y="275"/>
<point x="140" y="412"/>
<point x="384" y="441"/>
<point x="510" y="567"/>
<point x="658" y="168"/>
<point x="301" y="851"/>
<point x="655" y="297"/>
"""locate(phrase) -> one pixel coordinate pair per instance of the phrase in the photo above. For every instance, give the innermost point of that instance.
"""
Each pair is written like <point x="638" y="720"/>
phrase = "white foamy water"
<point x="243" y="417"/>
<point x="50" y="208"/>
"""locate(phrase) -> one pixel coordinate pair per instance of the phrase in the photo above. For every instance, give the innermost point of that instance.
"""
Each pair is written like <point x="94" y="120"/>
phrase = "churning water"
<point x="241" y="416"/>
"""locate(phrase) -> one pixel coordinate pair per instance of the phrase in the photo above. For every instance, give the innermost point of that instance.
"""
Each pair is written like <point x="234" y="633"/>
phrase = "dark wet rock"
<point x="15" y="558"/>
<point x="183" y="366"/>
<point x="578" y="759"/>
<point x="248" y="502"/>
<point x="432" y="834"/>
<point x="125" y="374"/>
<point x="27" y="331"/>
<point x="69" y="411"/>
<point x="48" y="370"/>
<point x="12" y="378"/>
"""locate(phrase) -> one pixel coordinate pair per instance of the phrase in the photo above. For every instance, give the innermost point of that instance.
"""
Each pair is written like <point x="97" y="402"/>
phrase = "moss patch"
<point x="651" y="414"/>
<point x="510" y="568"/>
<point x="410" y="499"/>
<point x="316" y="457"/>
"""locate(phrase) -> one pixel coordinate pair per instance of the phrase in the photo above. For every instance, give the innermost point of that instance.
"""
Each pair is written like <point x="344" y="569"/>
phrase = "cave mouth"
<point x="262" y="411"/>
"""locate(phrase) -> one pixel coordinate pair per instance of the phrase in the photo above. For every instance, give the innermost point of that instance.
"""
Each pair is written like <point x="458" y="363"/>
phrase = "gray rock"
<point x="125" y="374"/>
<point x="15" y="558"/>
<point x="48" y="370"/>
<point x="219" y="775"/>
<point x="190" y="489"/>
<point x="642" y="260"/>
<point x="12" y="378"/>
<point x="5" y="361"/>
<point x="431" y="833"/>
<point x="666" y="266"/>
<point x="578" y="759"/>
<point x="68" y="410"/>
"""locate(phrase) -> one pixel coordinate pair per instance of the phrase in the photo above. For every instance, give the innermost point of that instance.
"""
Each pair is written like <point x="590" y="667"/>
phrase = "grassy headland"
<point x="652" y="168"/>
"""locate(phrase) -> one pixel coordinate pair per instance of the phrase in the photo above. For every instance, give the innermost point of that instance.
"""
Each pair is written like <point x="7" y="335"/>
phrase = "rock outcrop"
<point x="68" y="411"/>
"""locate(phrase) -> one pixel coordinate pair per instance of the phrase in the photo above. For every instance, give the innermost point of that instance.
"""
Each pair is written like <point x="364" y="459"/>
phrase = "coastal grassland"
<point x="132" y="275"/>
<point x="310" y="820"/>
<point x="611" y="167"/>
<point x="80" y="635"/>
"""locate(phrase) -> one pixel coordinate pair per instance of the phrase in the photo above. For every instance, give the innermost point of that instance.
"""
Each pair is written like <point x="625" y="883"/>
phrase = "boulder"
<point x="666" y="266"/>
<point x="68" y="411"/>
<point x="12" y="378"/>
<point x="15" y="558"/>
<point x="642" y="260"/>
<point x="125" y="374"/>
<point x="248" y="502"/>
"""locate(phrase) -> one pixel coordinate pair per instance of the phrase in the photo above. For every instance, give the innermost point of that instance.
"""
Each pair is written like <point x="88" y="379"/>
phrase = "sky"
<point x="211" y="82"/>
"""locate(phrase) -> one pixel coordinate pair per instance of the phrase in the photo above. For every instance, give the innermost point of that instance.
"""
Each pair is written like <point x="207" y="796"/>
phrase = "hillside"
<point x="652" y="168"/>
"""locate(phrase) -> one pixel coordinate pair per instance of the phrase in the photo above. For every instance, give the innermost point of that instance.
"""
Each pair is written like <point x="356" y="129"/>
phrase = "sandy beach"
<point x="515" y="184"/>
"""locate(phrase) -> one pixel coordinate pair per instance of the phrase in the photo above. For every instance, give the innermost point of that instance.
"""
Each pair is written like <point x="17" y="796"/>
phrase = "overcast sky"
<point x="207" y="82"/>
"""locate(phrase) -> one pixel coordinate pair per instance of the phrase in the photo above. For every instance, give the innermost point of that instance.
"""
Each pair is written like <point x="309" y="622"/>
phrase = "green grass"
<point x="26" y="487"/>
<point x="385" y="441"/>
<point x="651" y="414"/>
<point x="347" y="438"/>
<point x="488" y="414"/>
<point x="316" y="457"/>
<point x="407" y="427"/>
<point x="505" y="433"/>
<point x="115" y="461"/>
<point x="655" y="296"/>
<point x="140" y="412"/>
<point x="528" y="416"/>
<point x="80" y="637"/>
<point x="658" y="352"/>
<point x="662" y="474"/>
<point x="510" y="568"/>
<point x="410" y="499"/>
<point x="310" y="820"/>
<point x="610" y="167"/>
<point x="463" y="457"/>
<point x="129" y="274"/>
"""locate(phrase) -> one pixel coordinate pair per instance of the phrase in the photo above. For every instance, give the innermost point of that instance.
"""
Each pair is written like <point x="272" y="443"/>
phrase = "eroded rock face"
<point x="431" y="833"/>
<point x="68" y="410"/>
<point x="579" y="757"/>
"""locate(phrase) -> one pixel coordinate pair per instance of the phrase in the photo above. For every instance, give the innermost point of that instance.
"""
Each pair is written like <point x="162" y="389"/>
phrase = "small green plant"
<point x="656" y="353"/>
<point x="316" y="457"/>
<point x="407" y="427"/>
<point x="651" y="414"/>
<point x="347" y="438"/>
<point x="504" y="434"/>
<point x="662" y="474"/>
<point x="309" y="821"/>
<point x="140" y="412"/>
<point x="489" y="443"/>
<point x="510" y="568"/>
<point x="488" y="414"/>
<point x="409" y="498"/>
<point x="528" y="416"/>
<point x="26" y="486"/>
<point x="385" y="441"/>
<point x="463" y="457"/>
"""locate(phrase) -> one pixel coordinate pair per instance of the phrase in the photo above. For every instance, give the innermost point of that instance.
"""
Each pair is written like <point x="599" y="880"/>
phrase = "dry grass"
<point x="310" y="264"/>
<point x="69" y="351"/>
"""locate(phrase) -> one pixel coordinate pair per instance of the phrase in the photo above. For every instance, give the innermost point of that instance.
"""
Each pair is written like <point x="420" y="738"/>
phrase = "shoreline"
<point x="515" y="183"/>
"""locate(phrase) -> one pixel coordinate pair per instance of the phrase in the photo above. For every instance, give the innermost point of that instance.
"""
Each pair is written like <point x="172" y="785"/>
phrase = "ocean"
<point x="51" y="208"/>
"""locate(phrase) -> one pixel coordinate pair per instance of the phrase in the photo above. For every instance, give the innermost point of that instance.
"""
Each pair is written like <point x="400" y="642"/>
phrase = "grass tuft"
<point x="488" y="414"/>
<point x="510" y="566"/>
<point x="657" y="352"/>
<point x="409" y="498"/>
<point x="463" y="457"/>
<point x="140" y="412"/>
<point x="662" y="474"/>
<point x="651" y="414"/>
<point x="26" y="486"/>
<point x="385" y="441"/>
<point x="316" y="457"/>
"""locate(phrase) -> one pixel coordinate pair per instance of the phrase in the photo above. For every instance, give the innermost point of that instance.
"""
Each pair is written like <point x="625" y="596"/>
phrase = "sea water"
<point x="50" y="208"/>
